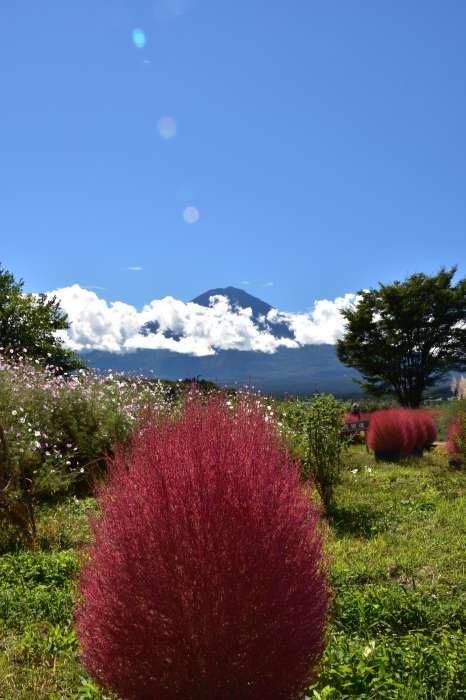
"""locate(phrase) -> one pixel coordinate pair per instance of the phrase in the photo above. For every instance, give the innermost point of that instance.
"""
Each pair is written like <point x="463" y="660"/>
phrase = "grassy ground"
<point x="397" y="539"/>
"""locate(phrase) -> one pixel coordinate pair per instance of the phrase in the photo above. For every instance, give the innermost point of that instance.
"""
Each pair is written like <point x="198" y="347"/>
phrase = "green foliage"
<point x="316" y="427"/>
<point x="30" y="322"/>
<point x="412" y="666"/>
<point x="405" y="337"/>
<point x="323" y="444"/>
<point x="399" y="630"/>
<point x="35" y="588"/>
<point x="48" y="641"/>
<point x="86" y="691"/>
<point x="375" y="610"/>
<point x="368" y="404"/>
<point x="446" y="415"/>
<point x="38" y="645"/>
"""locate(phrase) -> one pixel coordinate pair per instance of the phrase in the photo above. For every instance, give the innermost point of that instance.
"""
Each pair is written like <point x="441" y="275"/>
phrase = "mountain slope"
<point x="260" y="309"/>
<point x="295" y="370"/>
<point x="302" y="370"/>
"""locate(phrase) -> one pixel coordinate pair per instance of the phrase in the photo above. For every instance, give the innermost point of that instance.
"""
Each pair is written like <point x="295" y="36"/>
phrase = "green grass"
<point x="397" y="540"/>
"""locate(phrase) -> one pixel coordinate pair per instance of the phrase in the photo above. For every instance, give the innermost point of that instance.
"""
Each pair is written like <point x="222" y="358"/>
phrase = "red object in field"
<point x="392" y="430"/>
<point x="207" y="577"/>
<point x="425" y="427"/>
<point x="456" y="427"/>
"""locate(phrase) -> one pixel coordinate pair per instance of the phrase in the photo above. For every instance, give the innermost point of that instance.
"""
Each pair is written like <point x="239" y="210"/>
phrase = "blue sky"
<point x="321" y="143"/>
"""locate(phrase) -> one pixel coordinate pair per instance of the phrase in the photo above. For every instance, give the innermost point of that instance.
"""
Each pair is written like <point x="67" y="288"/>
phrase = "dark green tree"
<point x="30" y="321"/>
<point x="407" y="336"/>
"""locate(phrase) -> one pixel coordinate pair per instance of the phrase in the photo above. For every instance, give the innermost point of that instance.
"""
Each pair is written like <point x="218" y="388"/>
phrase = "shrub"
<point x="450" y="409"/>
<point x="401" y="430"/>
<point x="392" y="430"/>
<point x="323" y="444"/>
<point x="456" y="439"/>
<point x="206" y="578"/>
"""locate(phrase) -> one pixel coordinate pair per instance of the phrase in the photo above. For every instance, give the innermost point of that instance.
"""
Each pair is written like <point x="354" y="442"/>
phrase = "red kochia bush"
<point x="426" y="428"/>
<point x="392" y="430"/>
<point x="400" y="430"/>
<point x="206" y="578"/>
<point x="456" y="437"/>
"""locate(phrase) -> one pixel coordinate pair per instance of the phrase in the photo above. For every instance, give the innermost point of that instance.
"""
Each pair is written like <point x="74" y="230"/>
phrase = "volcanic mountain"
<point x="302" y="370"/>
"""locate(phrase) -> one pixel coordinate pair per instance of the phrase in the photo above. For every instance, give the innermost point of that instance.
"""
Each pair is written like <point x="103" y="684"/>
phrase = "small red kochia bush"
<point x="456" y="437"/>
<point x="392" y="430"/>
<point x="206" y="578"/>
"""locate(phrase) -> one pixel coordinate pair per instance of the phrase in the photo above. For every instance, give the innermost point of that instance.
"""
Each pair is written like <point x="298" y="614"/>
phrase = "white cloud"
<point x="268" y="284"/>
<point x="198" y="330"/>
<point x="324" y="324"/>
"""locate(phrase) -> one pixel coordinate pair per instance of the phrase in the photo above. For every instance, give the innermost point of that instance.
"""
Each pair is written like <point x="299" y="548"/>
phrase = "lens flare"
<point x="139" y="38"/>
<point x="190" y="215"/>
<point x="166" y="127"/>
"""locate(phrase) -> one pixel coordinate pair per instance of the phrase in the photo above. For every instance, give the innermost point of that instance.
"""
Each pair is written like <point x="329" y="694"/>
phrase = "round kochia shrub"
<point x="206" y="578"/>
<point x="456" y="439"/>
<point x="392" y="430"/>
<point x="400" y="430"/>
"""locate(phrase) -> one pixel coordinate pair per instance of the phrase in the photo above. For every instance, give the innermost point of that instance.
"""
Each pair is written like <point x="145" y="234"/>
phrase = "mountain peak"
<point x="260" y="309"/>
<point x="236" y="297"/>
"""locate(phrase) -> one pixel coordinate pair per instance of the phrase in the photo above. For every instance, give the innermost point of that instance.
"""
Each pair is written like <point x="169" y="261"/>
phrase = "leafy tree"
<point x="30" y="321"/>
<point x="405" y="337"/>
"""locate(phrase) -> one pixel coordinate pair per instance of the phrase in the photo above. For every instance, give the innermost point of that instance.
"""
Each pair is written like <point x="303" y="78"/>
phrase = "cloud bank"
<point x="187" y="327"/>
